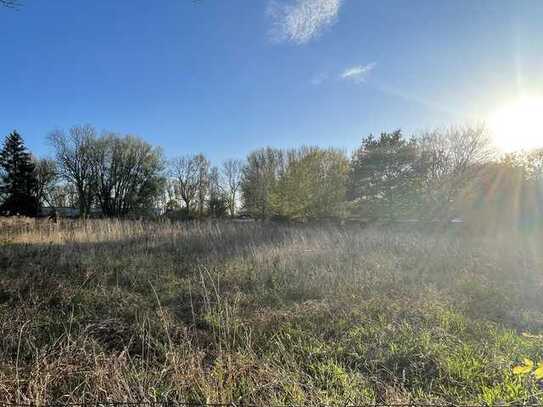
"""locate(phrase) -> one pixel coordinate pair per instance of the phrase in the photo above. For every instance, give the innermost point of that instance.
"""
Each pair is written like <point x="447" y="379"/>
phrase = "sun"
<point x="519" y="125"/>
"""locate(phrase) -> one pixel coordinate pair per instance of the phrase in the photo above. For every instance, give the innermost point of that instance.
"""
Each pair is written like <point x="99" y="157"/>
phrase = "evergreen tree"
<point x="18" y="183"/>
<point x="385" y="177"/>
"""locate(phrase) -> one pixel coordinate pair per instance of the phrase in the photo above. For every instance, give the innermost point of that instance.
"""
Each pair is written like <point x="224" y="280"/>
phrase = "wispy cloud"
<point x="357" y="73"/>
<point x="319" y="78"/>
<point x="299" y="21"/>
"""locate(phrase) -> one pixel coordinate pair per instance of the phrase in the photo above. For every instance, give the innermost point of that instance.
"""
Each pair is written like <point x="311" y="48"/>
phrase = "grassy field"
<point x="266" y="313"/>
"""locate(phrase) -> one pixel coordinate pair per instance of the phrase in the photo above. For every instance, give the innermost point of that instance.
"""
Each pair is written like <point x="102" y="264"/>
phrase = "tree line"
<point x="434" y="176"/>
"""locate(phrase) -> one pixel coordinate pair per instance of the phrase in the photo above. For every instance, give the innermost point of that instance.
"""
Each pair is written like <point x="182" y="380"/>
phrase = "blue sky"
<point x="227" y="76"/>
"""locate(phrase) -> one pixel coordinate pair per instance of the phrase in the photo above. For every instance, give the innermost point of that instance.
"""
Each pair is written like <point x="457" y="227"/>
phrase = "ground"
<point x="266" y="313"/>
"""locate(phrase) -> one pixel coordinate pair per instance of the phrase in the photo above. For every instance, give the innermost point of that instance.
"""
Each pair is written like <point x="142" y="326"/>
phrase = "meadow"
<point x="267" y="313"/>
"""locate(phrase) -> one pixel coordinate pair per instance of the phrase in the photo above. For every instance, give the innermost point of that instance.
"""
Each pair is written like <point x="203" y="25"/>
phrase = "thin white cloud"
<point x="319" y="78"/>
<point x="357" y="73"/>
<point x="299" y="21"/>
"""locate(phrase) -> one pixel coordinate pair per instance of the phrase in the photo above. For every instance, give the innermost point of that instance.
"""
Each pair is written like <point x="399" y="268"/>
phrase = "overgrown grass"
<point x="265" y="313"/>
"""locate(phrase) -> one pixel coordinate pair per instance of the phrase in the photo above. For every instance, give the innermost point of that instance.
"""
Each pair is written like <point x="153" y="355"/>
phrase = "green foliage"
<point x="385" y="177"/>
<point x="302" y="184"/>
<point x="18" y="182"/>
<point x="259" y="177"/>
<point x="312" y="186"/>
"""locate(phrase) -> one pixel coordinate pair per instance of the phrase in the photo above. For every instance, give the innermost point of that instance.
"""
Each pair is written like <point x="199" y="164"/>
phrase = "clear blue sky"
<point x="227" y="76"/>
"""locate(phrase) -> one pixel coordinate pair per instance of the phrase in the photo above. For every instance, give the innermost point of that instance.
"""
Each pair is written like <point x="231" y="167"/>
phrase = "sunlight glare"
<point x="519" y="125"/>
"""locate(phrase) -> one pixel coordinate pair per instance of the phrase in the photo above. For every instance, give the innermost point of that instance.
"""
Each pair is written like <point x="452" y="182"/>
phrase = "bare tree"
<point x="202" y="165"/>
<point x="46" y="174"/>
<point x="215" y="189"/>
<point x="535" y="165"/>
<point x="74" y="154"/>
<point x="128" y="174"/>
<point x="217" y="202"/>
<point x="63" y="195"/>
<point x="450" y="158"/>
<point x="455" y="151"/>
<point x="186" y="173"/>
<point x="231" y="182"/>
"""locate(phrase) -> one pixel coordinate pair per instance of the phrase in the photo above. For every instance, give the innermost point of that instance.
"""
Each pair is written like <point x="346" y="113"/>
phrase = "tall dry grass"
<point x="264" y="313"/>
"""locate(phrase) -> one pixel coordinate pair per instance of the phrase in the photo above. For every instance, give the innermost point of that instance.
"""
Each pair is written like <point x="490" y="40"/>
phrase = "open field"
<point x="265" y="313"/>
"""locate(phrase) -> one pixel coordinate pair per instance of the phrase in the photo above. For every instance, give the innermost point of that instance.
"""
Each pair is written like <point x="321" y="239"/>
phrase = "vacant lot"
<point x="266" y="313"/>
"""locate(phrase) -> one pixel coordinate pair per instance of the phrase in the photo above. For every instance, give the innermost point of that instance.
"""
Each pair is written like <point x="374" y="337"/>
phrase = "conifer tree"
<point x="18" y="182"/>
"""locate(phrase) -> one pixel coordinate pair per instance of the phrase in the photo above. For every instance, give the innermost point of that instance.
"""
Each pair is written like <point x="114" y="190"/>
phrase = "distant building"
<point x="69" y="212"/>
<point x="66" y="212"/>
